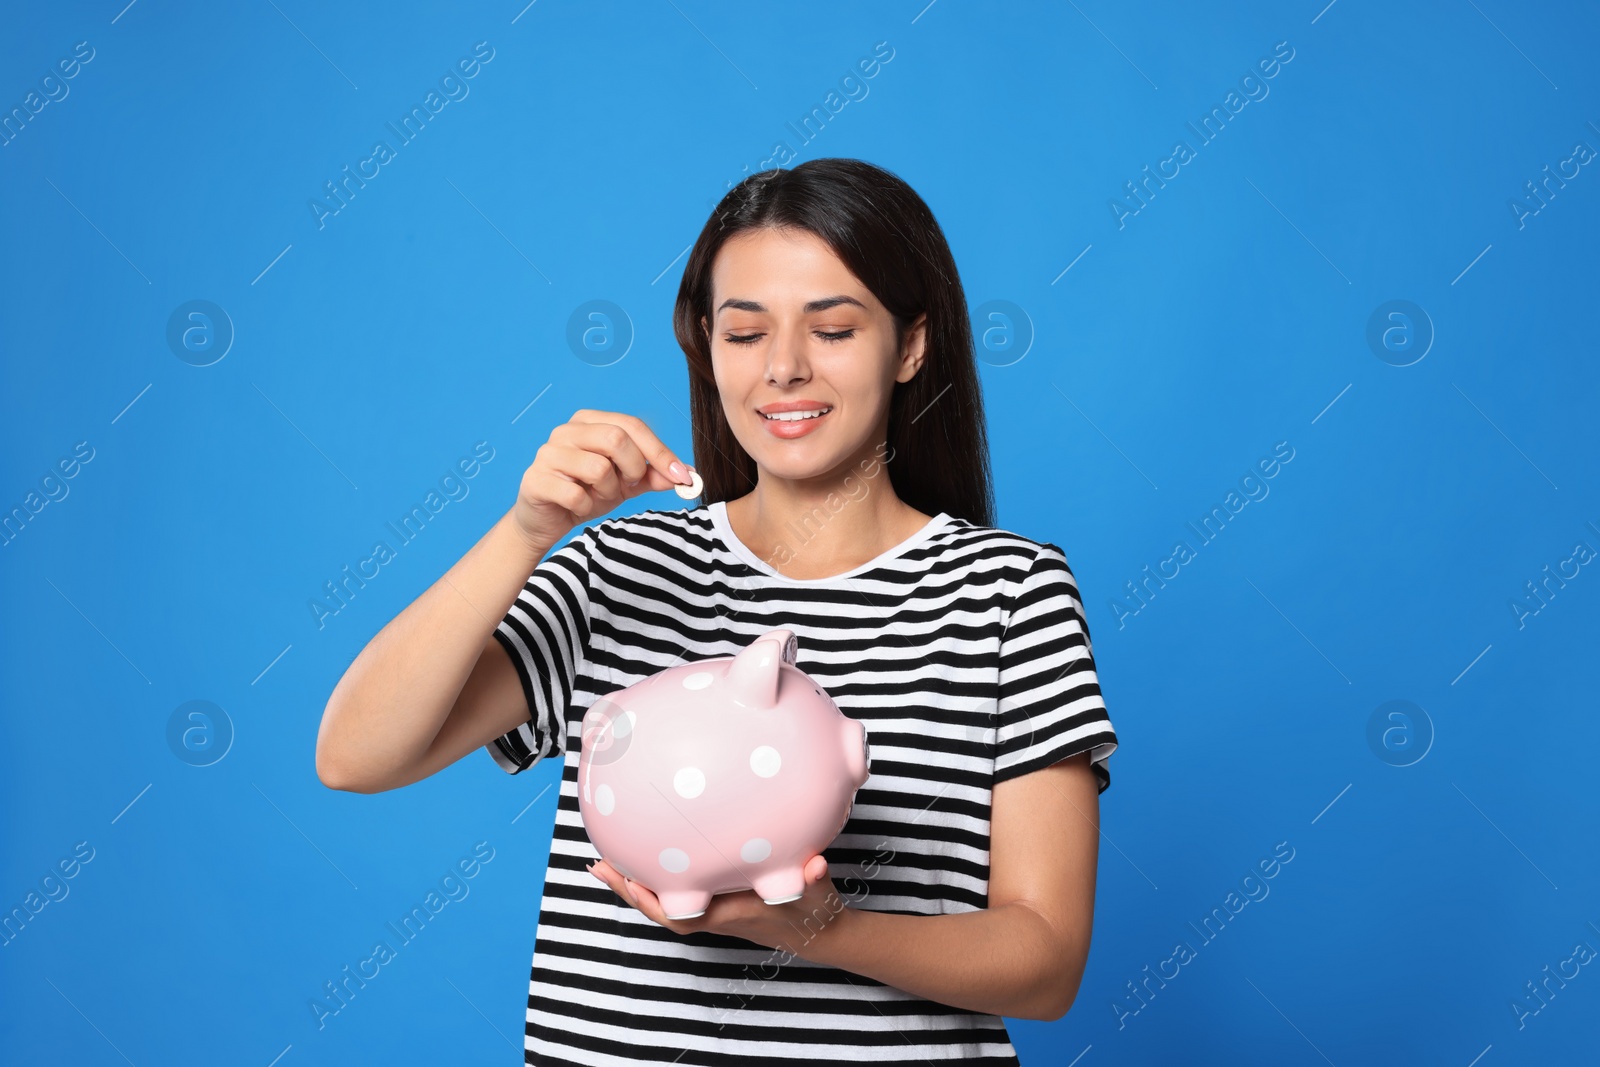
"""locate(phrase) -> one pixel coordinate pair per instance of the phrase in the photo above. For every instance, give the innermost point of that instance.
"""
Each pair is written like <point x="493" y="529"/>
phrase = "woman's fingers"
<point x="589" y="465"/>
<point x="635" y="894"/>
<point x="636" y="446"/>
<point x="593" y="470"/>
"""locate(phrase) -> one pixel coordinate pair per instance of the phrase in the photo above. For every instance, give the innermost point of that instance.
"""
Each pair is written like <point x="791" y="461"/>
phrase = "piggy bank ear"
<point x="753" y="674"/>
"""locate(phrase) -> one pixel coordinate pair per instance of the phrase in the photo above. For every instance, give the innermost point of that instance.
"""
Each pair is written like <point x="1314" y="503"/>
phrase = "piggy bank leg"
<point x="780" y="887"/>
<point x="684" y="903"/>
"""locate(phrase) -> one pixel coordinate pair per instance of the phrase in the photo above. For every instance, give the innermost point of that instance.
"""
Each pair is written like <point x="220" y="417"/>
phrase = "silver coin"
<point x="689" y="492"/>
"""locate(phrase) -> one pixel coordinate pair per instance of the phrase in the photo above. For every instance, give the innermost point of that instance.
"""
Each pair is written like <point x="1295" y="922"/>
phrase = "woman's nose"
<point x="786" y="361"/>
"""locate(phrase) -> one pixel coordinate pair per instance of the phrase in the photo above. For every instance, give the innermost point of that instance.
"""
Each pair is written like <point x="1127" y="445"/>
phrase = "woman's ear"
<point x="913" y="348"/>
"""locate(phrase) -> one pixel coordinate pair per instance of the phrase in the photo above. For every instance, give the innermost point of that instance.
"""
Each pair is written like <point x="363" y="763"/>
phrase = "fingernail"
<point x="679" y="471"/>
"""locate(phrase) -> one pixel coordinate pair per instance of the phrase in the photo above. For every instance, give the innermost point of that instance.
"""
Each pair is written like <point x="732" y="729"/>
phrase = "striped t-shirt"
<point x="965" y="653"/>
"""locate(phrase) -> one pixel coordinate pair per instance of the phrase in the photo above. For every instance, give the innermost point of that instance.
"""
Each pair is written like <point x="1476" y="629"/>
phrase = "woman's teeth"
<point x="796" y="416"/>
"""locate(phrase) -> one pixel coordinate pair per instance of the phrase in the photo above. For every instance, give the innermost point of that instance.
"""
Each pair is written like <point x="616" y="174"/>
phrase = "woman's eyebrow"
<point x="822" y="304"/>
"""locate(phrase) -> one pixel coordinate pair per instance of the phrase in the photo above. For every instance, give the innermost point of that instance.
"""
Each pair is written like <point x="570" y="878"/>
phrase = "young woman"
<point x="838" y="425"/>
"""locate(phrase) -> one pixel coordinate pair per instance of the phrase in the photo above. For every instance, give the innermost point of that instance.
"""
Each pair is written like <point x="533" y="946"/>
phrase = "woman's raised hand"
<point x="590" y="464"/>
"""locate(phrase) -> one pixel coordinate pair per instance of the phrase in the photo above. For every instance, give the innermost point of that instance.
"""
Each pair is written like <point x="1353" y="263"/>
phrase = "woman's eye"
<point x="831" y="337"/>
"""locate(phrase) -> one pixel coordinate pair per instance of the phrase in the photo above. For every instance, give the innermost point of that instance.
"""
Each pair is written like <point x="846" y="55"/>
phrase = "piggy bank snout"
<point x="857" y="752"/>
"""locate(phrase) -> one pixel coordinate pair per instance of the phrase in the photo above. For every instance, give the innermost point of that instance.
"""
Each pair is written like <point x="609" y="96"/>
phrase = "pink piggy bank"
<point x="720" y="775"/>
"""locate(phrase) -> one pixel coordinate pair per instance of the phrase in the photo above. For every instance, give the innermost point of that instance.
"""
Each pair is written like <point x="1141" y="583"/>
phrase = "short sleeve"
<point x="546" y="634"/>
<point x="1050" y="705"/>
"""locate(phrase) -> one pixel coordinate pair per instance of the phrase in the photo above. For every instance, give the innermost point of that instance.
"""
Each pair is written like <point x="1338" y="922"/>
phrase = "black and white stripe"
<point x="964" y="651"/>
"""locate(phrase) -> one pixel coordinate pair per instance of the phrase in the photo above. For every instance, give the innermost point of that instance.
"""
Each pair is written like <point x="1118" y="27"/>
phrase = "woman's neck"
<point x="804" y="535"/>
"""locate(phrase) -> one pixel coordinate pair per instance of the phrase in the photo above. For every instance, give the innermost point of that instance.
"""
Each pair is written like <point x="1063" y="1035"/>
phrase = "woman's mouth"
<point x="791" y="424"/>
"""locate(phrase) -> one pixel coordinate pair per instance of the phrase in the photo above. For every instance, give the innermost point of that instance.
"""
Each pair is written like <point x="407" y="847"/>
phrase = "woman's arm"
<point x="1024" y="955"/>
<point x="428" y="688"/>
<point x="433" y="684"/>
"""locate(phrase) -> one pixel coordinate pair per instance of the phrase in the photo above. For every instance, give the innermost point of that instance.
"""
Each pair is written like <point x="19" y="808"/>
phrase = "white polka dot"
<point x="605" y="800"/>
<point x="622" y="725"/>
<point x="765" y="761"/>
<point x="674" y="860"/>
<point x="690" y="782"/>
<point x="755" y="850"/>
<point x="697" y="680"/>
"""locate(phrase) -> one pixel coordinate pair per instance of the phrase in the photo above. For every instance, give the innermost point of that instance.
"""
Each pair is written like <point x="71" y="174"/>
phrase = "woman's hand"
<point x="791" y="927"/>
<point x="590" y="464"/>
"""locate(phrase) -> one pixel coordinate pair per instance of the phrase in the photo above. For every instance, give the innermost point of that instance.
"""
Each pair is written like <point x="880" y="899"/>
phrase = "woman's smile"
<point x="797" y="421"/>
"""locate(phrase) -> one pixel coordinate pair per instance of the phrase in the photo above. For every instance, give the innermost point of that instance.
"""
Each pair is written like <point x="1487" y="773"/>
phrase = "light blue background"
<point x="1228" y="315"/>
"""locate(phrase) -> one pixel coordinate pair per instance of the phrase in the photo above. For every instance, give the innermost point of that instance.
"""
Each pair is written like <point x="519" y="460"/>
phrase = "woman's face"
<point x="794" y="329"/>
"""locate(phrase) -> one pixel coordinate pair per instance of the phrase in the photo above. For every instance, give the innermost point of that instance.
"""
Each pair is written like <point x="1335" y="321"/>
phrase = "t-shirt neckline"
<point x="724" y="530"/>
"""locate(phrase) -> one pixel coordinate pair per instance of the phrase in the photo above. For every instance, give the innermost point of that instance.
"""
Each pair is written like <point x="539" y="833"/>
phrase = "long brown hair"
<point x="938" y="458"/>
